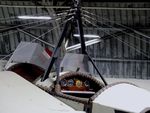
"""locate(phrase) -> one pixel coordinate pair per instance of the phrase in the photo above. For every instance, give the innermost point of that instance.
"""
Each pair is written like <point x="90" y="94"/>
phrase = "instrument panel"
<point x="75" y="84"/>
<point x="80" y="85"/>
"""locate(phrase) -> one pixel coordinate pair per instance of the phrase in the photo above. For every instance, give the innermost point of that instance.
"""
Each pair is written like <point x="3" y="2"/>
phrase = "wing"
<point x="123" y="97"/>
<point x="20" y="96"/>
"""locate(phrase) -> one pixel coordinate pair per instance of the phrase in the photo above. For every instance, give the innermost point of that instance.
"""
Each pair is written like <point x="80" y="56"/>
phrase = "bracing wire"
<point x="58" y="14"/>
<point x="31" y="26"/>
<point x="53" y="19"/>
<point x="14" y="18"/>
<point x="119" y="29"/>
<point x="33" y="22"/>
<point x="61" y="15"/>
<point x="38" y="37"/>
<point x="32" y="41"/>
<point x="145" y="54"/>
<point x="135" y="31"/>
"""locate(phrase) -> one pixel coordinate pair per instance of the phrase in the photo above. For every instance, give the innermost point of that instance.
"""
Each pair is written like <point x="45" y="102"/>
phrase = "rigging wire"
<point x="37" y="37"/>
<point x="43" y="14"/>
<point x="36" y="22"/>
<point x="135" y="31"/>
<point x="17" y="19"/>
<point x="40" y="35"/>
<point x="119" y="29"/>
<point x="33" y="22"/>
<point x="13" y="33"/>
<point x="42" y="22"/>
<point x="30" y="27"/>
<point x="123" y="32"/>
<point x="131" y="46"/>
<point x="14" y="18"/>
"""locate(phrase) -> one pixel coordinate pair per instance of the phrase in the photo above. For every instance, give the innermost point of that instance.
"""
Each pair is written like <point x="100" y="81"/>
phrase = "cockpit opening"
<point x="28" y="71"/>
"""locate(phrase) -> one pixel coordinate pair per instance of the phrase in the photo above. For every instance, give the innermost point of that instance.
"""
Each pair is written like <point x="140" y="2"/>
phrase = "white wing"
<point x="124" y="97"/>
<point x="20" y="96"/>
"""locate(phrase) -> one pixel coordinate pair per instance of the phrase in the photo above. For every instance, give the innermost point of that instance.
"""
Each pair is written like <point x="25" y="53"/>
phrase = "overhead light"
<point x="35" y="17"/>
<point x="87" y="36"/>
<point x="87" y="43"/>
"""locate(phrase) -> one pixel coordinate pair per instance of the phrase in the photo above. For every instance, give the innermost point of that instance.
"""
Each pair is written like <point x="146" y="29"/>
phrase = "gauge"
<point x="63" y="82"/>
<point x="70" y="83"/>
<point x="79" y="83"/>
<point x="86" y="83"/>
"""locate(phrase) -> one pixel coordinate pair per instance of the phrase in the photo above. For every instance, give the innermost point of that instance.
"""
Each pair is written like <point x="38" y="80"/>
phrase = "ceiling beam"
<point x="66" y="7"/>
<point x="83" y="0"/>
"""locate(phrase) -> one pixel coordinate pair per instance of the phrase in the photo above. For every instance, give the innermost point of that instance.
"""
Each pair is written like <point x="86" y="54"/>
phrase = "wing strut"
<point x="77" y="18"/>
